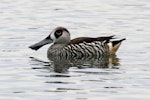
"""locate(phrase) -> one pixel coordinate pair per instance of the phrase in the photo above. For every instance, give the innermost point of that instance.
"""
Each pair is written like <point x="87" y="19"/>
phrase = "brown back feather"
<point x="89" y="39"/>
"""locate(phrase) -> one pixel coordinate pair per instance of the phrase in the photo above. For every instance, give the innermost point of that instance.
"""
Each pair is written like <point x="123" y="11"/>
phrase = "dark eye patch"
<point x="58" y="33"/>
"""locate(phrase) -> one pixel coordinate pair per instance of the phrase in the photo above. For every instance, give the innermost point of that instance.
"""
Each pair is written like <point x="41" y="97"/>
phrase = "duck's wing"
<point x="113" y="45"/>
<point x="89" y="39"/>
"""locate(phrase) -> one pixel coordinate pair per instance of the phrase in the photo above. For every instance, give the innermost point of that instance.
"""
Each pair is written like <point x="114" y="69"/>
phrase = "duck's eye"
<point x="58" y="33"/>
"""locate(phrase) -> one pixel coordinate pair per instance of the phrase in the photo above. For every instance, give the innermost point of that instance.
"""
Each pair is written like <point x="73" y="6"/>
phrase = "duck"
<point x="63" y="46"/>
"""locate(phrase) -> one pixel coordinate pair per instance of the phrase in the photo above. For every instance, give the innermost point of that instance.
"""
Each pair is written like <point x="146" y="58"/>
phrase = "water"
<point x="29" y="75"/>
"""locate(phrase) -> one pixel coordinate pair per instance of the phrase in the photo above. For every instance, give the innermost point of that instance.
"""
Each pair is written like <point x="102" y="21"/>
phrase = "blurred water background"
<point x="29" y="75"/>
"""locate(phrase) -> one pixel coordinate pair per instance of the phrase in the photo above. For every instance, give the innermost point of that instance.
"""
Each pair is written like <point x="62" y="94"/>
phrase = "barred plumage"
<point x="95" y="48"/>
<point x="78" y="47"/>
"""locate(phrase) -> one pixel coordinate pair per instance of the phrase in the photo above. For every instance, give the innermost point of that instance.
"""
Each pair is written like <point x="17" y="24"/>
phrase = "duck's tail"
<point x="114" y="45"/>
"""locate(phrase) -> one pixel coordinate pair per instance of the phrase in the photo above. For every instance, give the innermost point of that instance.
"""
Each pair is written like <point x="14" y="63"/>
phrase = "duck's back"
<point x="85" y="46"/>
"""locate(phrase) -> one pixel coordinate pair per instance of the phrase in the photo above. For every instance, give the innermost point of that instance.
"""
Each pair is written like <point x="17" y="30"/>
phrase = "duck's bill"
<point x="40" y="44"/>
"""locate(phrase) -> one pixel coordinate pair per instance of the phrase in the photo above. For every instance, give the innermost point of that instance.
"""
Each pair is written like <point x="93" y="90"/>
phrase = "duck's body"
<point x="78" y="47"/>
<point x="95" y="48"/>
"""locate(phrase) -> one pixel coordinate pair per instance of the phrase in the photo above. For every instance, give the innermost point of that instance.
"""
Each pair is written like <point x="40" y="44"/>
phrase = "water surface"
<point x="30" y="75"/>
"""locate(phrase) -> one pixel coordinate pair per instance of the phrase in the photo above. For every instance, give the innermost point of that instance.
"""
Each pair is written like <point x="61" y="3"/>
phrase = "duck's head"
<point x="59" y="35"/>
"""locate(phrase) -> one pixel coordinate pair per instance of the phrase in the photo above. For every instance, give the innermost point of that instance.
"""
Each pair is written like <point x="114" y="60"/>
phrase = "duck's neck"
<point x="55" y="48"/>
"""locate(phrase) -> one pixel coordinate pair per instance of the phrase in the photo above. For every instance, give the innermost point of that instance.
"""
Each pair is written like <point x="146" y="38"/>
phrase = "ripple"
<point x="59" y="82"/>
<point x="54" y="75"/>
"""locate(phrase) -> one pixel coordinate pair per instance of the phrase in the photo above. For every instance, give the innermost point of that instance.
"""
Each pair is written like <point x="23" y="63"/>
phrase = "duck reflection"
<point x="62" y="64"/>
